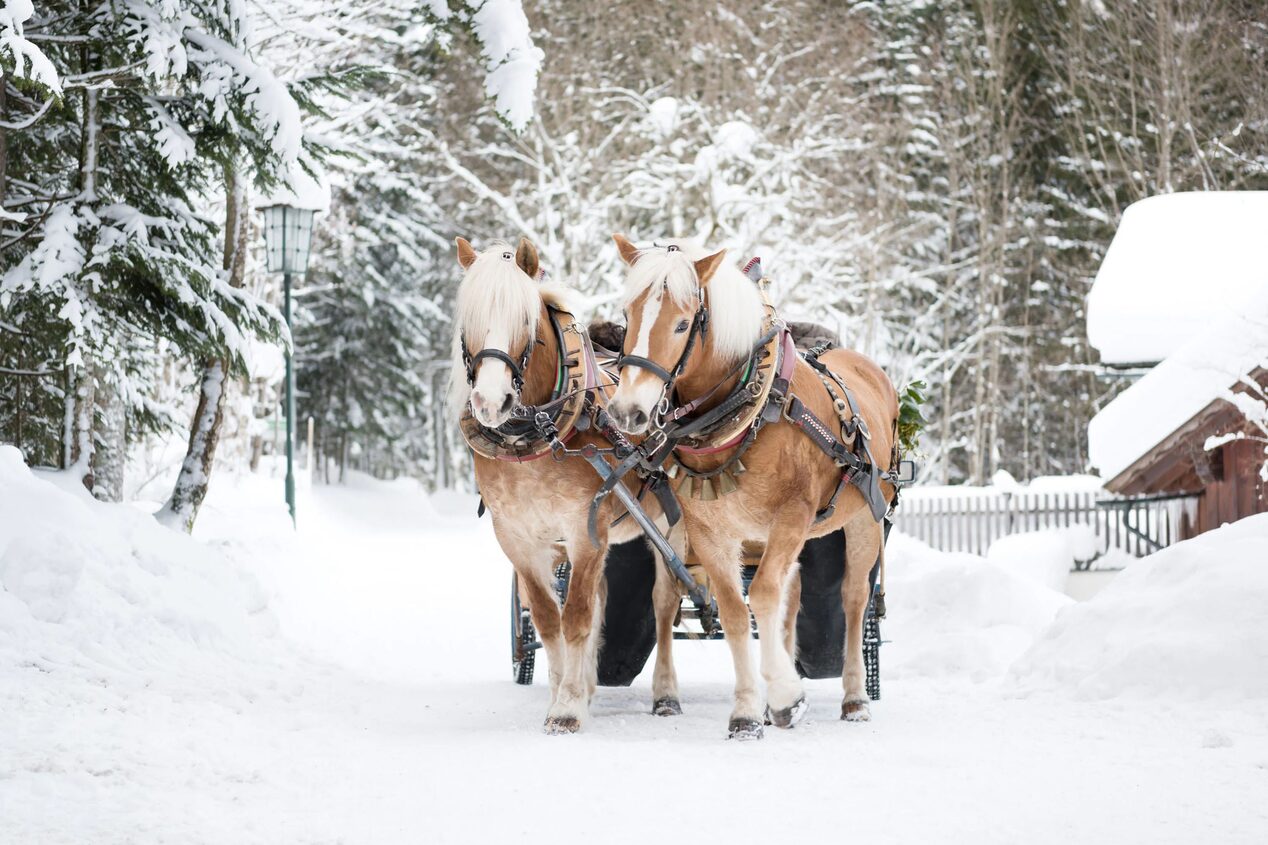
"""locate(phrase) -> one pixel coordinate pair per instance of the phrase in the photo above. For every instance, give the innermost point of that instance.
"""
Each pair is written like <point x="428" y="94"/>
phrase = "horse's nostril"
<point x="506" y="403"/>
<point x="640" y="418"/>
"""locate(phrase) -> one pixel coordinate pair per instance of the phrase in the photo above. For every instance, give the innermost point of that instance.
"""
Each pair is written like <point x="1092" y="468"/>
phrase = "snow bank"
<point x="1044" y="557"/>
<point x="1145" y="302"/>
<point x="97" y="590"/>
<point x="959" y="615"/>
<point x="1188" y="622"/>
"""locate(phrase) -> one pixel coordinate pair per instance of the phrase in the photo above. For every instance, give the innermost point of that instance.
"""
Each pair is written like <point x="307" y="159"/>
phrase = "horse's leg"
<point x="666" y="600"/>
<point x="535" y="563"/>
<point x="720" y="555"/>
<point x="768" y="597"/>
<point x="791" y="608"/>
<point x="595" y="642"/>
<point x="862" y="546"/>
<point x="581" y="622"/>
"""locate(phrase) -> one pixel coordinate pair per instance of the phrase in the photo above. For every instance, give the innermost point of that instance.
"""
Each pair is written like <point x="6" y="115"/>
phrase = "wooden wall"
<point x="1237" y="491"/>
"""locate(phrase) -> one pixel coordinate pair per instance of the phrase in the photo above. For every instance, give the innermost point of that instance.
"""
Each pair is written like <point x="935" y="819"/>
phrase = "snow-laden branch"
<point x="27" y="61"/>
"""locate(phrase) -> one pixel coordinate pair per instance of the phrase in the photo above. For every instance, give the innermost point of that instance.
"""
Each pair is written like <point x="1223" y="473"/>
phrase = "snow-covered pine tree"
<point x="157" y="102"/>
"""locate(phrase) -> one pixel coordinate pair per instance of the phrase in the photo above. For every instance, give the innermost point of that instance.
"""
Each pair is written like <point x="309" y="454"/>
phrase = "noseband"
<point x="699" y="328"/>
<point x="516" y="367"/>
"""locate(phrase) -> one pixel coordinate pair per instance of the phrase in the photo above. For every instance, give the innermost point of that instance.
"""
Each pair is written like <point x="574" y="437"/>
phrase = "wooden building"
<point x="1226" y="480"/>
<point x="1180" y="309"/>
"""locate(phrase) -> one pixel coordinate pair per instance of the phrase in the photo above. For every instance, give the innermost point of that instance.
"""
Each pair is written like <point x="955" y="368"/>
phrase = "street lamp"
<point x="288" y="233"/>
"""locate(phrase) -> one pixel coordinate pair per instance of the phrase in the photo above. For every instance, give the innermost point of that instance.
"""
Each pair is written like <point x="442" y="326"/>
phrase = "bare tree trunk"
<point x="109" y="458"/>
<point x="204" y="432"/>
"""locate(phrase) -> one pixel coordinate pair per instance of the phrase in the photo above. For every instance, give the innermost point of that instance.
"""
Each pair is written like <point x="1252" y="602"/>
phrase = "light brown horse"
<point x="787" y="479"/>
<point x="506" y="353"/>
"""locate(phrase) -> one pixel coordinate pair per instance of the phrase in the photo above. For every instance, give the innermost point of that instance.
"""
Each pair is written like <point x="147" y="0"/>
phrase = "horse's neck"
<point x="708" y="373"/>
<point x="543" y="364"/>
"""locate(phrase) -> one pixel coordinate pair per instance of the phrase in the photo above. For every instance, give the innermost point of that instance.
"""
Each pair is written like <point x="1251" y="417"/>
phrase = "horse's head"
<point x="667" y="318"/>
<point x="497" y="307"/>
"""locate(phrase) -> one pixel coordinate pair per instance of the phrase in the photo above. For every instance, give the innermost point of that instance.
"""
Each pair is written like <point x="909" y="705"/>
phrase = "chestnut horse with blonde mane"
<point x="507" y="355"/>
<point x="691" y="318"/>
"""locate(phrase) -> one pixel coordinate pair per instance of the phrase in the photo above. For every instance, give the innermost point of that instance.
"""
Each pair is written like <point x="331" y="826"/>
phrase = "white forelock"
<point x="495" y="294"/>
<point x="735" y="307"/>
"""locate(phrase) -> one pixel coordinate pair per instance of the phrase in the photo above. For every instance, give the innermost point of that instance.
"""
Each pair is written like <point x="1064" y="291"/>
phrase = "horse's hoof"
<point x="667" y="706"/>
<point x="560" y="725"/>
<point x="788" y="717"/>
<point x="744" y="729"/>
<point x="855" y="711"/>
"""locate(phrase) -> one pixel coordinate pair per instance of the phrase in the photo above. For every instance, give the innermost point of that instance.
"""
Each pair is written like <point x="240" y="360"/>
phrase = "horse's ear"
<point x="466" y="255"/>
<point x="707" y="266"/>
<point x="629" y="252"/>
<point x="526" y="258"/>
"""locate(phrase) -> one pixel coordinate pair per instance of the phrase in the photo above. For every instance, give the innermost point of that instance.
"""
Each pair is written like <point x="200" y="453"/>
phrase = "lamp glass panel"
<point x="288" y="236"/>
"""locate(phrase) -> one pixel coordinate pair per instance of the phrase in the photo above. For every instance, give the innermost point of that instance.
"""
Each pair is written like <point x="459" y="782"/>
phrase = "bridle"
<point x="517" y="368"/>
<point x="699" y="328"/>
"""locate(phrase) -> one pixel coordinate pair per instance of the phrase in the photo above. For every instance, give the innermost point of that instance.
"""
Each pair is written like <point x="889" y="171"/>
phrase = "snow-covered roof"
<point x="1177" y="262"/>
<point x="1202" y="370"/>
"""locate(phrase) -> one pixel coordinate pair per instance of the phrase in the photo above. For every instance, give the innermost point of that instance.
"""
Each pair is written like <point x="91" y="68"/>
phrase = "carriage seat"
<point x="806" y="335"/>
<point x="609" y="337"/>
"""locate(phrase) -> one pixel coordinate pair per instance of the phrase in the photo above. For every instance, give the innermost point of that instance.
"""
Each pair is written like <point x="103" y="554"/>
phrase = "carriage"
<point x="680" y="442"/>
<point x="629" y="625"/>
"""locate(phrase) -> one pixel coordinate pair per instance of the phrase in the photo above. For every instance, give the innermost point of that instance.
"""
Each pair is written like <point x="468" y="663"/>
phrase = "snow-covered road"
<point x="384" y="712"/>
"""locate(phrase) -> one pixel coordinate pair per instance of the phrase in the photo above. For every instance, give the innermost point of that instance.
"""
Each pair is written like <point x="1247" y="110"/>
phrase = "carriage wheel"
<point x="872" y="650"/>
<point x="523" y="638"/>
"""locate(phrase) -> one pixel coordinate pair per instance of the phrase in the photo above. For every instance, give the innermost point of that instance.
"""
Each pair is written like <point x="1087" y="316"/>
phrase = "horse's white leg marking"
<point x="720" y="555"/>
<point x="768" y="597"/>
<point x="581" y="622"/>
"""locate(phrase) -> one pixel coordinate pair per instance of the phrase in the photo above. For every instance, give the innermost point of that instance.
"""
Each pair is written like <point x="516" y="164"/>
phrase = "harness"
<point x="756" y="401"/>
<point x="521" y="438"/>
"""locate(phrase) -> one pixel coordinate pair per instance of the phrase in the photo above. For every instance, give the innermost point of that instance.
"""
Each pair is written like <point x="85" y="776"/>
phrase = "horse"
<point x="516" y="345"/>
<point x="693" y="321"/>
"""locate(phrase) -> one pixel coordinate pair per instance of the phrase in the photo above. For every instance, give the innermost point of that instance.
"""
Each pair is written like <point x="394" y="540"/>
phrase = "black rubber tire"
<point x="629" y="618"/>
<point x="872" y="650"/>
<point x="821" y="621"/>
<point x="523" y="637"/>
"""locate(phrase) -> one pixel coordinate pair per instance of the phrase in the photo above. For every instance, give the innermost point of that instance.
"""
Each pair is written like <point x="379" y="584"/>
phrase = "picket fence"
<point x="971" y="522"/>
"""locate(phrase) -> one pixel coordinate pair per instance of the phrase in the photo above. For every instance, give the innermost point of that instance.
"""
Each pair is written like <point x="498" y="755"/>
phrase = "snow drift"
<point x="91" y="587"/>
<point x="1187" y="622"/>
<point x="959" y="615"/>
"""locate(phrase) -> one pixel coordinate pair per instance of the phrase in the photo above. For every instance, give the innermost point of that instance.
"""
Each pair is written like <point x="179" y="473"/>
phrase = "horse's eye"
<point x="682" y="327"/>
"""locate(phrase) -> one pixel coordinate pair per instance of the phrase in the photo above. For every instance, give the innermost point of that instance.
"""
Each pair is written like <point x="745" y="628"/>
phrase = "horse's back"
<point x="873" y="389"/>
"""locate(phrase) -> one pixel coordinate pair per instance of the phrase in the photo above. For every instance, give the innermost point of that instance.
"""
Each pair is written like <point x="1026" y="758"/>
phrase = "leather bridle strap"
<point x="699" y="326"/>
<point x="646" y="364"/>
<point x="516" y="367"/>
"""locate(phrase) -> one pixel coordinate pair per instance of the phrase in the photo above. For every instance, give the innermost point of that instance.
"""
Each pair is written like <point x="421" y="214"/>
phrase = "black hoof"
<point x="790" y="716"/>
<point x="744" y="729"/>
<point x="560" y="725"/>
<point x="855" y="711"/>
<point x="666" y="707"/>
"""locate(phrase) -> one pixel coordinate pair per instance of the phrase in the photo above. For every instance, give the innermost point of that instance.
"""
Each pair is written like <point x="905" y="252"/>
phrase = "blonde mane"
<point x="736" y="314"/>
<point x="495" y="292"/>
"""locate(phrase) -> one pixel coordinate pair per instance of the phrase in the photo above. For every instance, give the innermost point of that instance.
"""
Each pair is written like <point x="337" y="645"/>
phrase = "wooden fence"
<point x="973" y="521"/>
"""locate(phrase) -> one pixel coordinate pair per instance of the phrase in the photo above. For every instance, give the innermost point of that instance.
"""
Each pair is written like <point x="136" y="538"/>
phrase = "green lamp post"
<point x="288" y="234"/>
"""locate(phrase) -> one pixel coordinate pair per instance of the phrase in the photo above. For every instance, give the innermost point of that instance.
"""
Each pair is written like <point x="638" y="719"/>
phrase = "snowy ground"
<point x="358" y="691"/>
